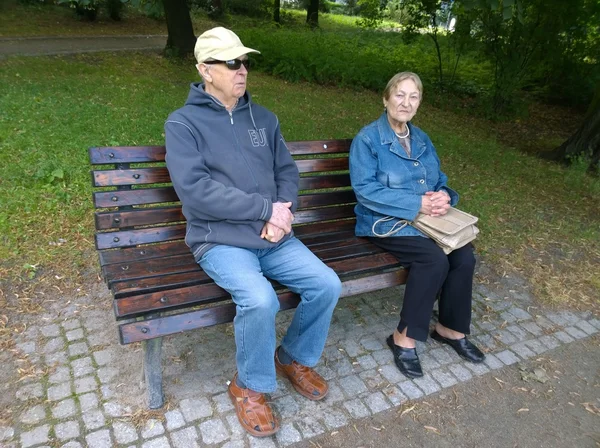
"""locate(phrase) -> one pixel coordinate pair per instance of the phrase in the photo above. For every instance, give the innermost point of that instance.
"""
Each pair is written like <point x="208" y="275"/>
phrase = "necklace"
<point x="403" y="136"/>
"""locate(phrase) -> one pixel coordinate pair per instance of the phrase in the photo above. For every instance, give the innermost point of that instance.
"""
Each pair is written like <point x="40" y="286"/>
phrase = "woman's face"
<point x="403" y="102"/>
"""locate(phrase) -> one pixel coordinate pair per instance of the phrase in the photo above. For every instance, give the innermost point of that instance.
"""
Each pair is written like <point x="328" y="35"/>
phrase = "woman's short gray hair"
<point x="398" y="78"/>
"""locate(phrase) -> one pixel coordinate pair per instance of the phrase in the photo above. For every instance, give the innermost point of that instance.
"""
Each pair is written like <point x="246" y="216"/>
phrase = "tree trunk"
<point x="276" y="11"/>
<point x="181" y="38"/>
<point x="312" y="13"/>
<point x="585" y="142"/>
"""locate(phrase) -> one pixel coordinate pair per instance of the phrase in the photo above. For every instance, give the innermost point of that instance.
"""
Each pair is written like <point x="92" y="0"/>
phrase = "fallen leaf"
<point x="431" y="428"/>
<point x="523" y="410"/>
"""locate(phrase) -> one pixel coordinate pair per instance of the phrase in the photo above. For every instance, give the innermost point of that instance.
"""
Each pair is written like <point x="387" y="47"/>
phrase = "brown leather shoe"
<point x="304" y="379"/>
<point x="253" y="411"/>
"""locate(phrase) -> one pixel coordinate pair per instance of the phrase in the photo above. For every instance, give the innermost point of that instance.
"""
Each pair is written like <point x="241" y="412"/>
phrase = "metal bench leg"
<point x="153" y="372"/>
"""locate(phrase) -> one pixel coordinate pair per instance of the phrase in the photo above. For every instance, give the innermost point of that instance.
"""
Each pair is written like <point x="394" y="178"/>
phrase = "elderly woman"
<point x="396" y="174"/>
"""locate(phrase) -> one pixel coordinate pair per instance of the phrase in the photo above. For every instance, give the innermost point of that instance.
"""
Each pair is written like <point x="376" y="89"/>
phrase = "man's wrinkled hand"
<point x="281" y="216"/>
<point x="272" y="233"/>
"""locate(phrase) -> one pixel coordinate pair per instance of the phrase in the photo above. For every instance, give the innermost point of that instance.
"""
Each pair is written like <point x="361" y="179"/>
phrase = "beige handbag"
<point x="450" y="231"/>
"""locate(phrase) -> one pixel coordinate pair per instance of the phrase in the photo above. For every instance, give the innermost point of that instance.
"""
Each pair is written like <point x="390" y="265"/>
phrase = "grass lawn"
<point x="536" y="218"/>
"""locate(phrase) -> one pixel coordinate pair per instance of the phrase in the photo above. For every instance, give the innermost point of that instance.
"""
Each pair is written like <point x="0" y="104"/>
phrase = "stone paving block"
<point x="65" y="408"/>
<point x="460" y="372"/>
<point x="194" y="409"/>
<point x="522" y="350"/>
<point x="288" y="434"/>
<point x="356" y="408"/>
<point x="86" y="384"/>
<point x="394" y="395"/>
<point x="595" y="322"/>
<point x="392" y="374"/>
<point x="549" y="341"/>
<point x="97" y="339"/>
<point x="107" y="374"/>
<point x="575" y="332"/>
<point x="107" y="391"/>
<point x="174" y="419"/>
<point x="486" y="326"/>
<point x="558" y="319"/>
<point x="58" y="358"/>
<point x="519" y="313"/>
<point x="27" y="347"/>
<point x="342" y="367"/>
<point x="335" y="393"/>
<point x="532" y="328"/>
<point x="72" y="444"/>
<point x="74" y="335"/>
<point x="33" y="415"/>
<point x="497" y="305"/>
<point x="114" y="409"/>
<point x="492" y="362"/>
<point x="477" y="369"/>
<point x="234" y="444"/>
<point x="186" y="438"/>
<point x="287" y="406"/>
<point x="50" y="331"/>
<point x="223" y="402"/>
<point x="95" y="323"/>
<point x="71" y="324"/>
<point x="54" y="345"/>
<point x="67" y="430"/>
<point x="327" y="373"/>
<point x="82" y="366"/>
<point x="310" y="427"/>
<point x="35" y="437"/>
<point x="519" y="332"/>
<point x="536" y="346"/>
<point x="443" y="377"/>
<point x="352" y="385"/>
<point x="383" y="357"/>
<point x="152" y="428"/>
<point x="372" y="379"/>
<point x="264" y="442"/>
<point x="93" y="420"/>
<point x="161" y="442"/>
<point x="334" y="418"/>
<point x="88" y="401"/>
<point x="124" y="432"/>
<point x="441" y="356"/>
<point x="506" y="337"/>
<point x="508" y="317"/>
<point x="544" y="323"/>
<point x="6" y="433"/>
<point x="235" y="428"/>
<point x="60" y="375"/>
<point x="428" y="362"/>
<point x="352" y="348"/>
<point x="586" y="327"/>
<point x="103" y="357"/>
<point x="427" y="384"/>
<point x="78" y="348"/>
<point x="213" y="431"/>
<point x="59" y="391"/>
<point x="563" y="337"/>
<point x="366" y="362"/>
<point x="377" y="402"/>
<point x="410" y="389"/>
<point x="371" y="344"/>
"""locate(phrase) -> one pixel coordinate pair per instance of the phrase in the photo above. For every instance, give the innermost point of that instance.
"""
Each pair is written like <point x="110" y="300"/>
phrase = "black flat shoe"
<point x="465" y="348"/>
<point x="406" y="359"/>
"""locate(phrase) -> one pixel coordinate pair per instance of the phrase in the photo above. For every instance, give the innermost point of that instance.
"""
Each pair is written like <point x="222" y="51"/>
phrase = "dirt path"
<point x="37" y="46"/>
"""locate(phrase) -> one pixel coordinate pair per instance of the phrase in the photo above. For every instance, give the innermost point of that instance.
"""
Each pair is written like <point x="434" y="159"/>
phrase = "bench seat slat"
<point x="134" y="176"/>
<point x="128" y="238"/>
<point x="103" y="155"/>
<point x="140" y="196"/>
<point x="163" y="300"/>
<point x="319" y="147"/>
<point x="177" y="323"/>
<point x="321" y="165"/>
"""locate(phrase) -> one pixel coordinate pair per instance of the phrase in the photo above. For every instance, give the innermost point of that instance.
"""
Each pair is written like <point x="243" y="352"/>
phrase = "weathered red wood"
<point x="134" y="176"/>
<point x="138" y="217"/>
<point x="141" y="253"/>
<point x="324" y="214"/>
<point x="321" y="165"/>
<point x="325" y="181"/>
<point x="128" y="238"/>
<point x="103" y="155"/>
<point x="140" y="196"/>
<point x="326" y="198"/>
<point x="319" y="147"/>
<point x="177" y="323"/>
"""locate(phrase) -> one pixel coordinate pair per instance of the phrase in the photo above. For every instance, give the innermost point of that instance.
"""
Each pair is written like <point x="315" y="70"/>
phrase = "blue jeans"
<point x="243" y="273"/>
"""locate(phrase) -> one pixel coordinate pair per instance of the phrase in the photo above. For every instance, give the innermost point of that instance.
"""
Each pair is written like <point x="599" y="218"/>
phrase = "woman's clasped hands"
<point x="435" y="203"/>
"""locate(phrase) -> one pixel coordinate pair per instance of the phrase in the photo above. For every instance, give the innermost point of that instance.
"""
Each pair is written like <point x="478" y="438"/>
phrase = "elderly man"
<point x="238" y="185"/>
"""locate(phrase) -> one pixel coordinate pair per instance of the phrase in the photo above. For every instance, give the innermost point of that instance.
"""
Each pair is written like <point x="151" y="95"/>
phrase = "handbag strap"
<point x="403" y="223"/>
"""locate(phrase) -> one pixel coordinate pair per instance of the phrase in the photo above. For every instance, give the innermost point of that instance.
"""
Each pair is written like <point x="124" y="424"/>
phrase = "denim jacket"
<point x="388" y="183"/>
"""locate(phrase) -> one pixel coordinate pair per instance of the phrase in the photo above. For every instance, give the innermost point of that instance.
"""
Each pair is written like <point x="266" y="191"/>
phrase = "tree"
<point x="181" y="39"/>
<point x="312" y="13"/>
<point x="276" y="11"/>
<point x="585" y="142"/>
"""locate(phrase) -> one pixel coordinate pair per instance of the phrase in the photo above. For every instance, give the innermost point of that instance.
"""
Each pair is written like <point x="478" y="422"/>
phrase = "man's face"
<point x="225" y="83"/>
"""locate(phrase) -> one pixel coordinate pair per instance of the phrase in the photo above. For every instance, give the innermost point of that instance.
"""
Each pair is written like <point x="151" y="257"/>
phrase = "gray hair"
<point x="398" y="78"/>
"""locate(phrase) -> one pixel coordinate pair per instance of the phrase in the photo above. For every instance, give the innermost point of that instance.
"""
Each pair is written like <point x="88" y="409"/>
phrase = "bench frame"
<point x="157" y="286"/>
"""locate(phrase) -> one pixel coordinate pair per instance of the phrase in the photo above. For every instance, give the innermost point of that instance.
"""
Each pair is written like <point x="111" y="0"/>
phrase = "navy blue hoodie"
<point x="228" y="169"/>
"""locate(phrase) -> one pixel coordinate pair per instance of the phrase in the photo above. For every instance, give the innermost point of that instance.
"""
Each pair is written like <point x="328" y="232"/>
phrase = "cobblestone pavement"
<point x="90" y="394"/>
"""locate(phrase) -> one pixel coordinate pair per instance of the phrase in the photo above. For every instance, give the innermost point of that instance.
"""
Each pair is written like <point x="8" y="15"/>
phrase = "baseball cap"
<point x="221" y="44"/>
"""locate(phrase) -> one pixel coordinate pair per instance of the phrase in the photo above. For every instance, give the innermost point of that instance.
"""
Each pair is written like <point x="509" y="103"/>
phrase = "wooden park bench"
<point x="157" y="286"/>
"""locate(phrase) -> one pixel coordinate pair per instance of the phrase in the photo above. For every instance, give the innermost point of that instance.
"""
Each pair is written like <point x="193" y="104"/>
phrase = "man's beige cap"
<point x="221" y="44"/>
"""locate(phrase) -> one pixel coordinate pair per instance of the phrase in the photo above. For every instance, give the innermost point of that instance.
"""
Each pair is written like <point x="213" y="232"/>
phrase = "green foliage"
<point x="371" y="15"/>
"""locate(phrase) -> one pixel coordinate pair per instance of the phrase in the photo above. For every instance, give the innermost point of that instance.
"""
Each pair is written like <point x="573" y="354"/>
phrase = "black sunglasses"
<point x="232" y="64"/>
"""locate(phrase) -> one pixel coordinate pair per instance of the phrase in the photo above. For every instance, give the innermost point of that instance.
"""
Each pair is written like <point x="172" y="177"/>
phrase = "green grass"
<point x="536" y="217"/>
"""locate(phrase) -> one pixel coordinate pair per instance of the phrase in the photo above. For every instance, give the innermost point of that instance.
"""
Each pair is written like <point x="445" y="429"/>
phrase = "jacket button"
<point x="416" y="163"/>
<point x="422" y="181"/>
